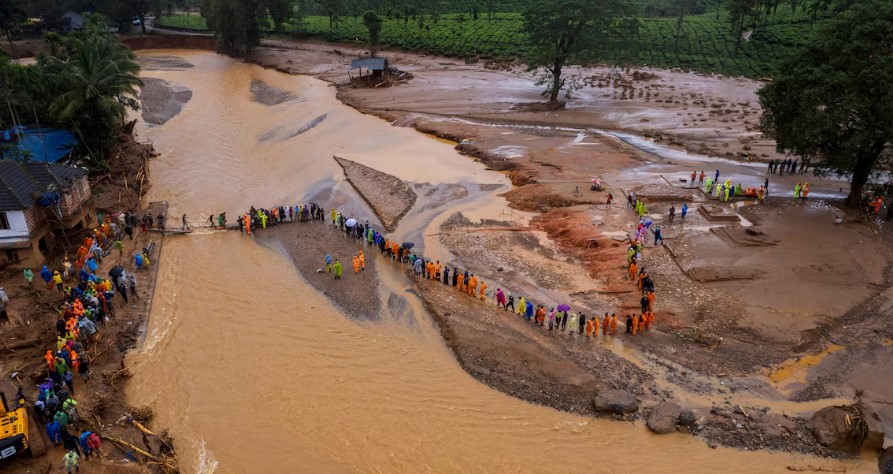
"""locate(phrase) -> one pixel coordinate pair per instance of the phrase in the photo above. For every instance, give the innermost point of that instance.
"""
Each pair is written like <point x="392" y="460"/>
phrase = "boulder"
<point x="615" y="401"/>
<point x="885" y="461"/>
<point x="663" y="418"/>
<point x="691" y="418"/>
<point x="842" y="427"/>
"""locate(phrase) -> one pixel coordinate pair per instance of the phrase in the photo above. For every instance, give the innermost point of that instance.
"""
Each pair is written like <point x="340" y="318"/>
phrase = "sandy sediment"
<point x="508" y="353"/>
<point x="284" y="132"/>
<point x="161" y="101"/>
<point x="269" y="95"/>
<point x="308" y="243"/>
<point x="163" y="63"/>
<point x="387" y="195"/>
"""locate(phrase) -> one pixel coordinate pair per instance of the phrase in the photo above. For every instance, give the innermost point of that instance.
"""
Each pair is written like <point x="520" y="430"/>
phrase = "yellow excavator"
<point x="18" y="433"/>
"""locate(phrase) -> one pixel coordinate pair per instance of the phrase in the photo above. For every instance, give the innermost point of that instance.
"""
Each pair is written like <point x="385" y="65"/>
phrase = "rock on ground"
<point x="837" y="427"/>
<point x="615" y="401"/>
<point x="663" y="418"/>
<point x="691" y="418"/>
<point x="387" y="195"/>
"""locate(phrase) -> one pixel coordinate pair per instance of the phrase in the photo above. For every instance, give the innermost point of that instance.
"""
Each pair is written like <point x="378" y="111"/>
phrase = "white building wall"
<point x="18" y="226"/>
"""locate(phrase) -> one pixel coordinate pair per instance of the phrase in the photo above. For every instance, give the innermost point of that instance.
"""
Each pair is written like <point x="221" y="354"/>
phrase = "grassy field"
<point x="706" y="44"/>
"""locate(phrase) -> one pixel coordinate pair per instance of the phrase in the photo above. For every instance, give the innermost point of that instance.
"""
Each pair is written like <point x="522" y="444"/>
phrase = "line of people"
<point x="789" y="165"/>
<point x="556" y="318"/>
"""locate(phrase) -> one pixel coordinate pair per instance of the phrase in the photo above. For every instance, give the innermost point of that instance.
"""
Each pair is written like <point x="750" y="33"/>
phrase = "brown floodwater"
<point x="255" y="371"/>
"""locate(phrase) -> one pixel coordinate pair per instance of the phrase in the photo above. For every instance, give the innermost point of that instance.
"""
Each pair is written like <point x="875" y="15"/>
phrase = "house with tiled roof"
<point x="39" y="202"/>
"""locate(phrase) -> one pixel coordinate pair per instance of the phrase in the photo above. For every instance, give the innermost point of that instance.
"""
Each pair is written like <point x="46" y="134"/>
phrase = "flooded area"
<point x="253" y="370"/>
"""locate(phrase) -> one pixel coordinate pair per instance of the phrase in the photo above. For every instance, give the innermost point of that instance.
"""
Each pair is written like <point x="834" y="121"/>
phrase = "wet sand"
<point x="387" y="195"/>
<point x="306" y="244"/>
<point x="160" y="102"/>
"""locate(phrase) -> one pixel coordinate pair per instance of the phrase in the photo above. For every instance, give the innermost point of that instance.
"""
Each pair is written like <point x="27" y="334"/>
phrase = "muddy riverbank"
<point x="709" y="328"/>
<point x="31" y="330"/>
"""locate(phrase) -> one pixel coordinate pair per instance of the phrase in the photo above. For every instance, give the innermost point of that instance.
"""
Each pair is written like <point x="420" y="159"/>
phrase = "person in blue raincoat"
<point x="47" y="275"/>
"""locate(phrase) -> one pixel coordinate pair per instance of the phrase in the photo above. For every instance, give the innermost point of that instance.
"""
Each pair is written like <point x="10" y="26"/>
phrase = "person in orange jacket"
<point x="483" y="291"/>
<point x="613" y="324"/>
<point x="362" y="258"/>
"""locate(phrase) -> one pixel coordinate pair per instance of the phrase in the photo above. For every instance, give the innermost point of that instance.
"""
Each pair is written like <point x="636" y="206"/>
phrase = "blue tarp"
<point x="46" y="145"/>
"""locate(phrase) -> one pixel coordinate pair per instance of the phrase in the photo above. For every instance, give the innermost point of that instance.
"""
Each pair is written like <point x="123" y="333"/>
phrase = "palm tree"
<point x="101" y="81"/>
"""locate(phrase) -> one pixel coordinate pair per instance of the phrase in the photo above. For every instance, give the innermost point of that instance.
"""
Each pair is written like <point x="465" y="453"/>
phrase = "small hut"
<point x="375" y="67"/>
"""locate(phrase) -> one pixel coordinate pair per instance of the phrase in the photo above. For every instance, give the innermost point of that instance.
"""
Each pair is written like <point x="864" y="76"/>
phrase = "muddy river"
<point x="254" y="371"/>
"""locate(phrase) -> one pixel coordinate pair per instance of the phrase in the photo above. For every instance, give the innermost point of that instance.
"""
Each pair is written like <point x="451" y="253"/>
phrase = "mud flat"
<point x="387" y="195"/>
<point x="308" y="243"/>
<point x="161" y="101"/>
<point x="269" y="95"/>
<point x="504" y="351"/>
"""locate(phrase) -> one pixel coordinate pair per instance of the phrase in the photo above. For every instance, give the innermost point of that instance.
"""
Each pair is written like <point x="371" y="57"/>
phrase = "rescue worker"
<point x="338" y="269"/>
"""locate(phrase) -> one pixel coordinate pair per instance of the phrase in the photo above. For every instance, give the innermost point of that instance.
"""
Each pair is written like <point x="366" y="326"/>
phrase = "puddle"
<point x="441" y="140"/>
<point x="794" y="371"/>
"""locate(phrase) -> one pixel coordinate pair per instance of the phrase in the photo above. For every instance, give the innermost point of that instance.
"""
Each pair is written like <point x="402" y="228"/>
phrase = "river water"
<point x="254" y="371"/>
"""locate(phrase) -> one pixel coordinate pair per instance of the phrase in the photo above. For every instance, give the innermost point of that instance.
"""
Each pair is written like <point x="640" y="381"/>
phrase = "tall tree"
<point x="100" y="76"/>
<point x="236" y="23"/>
<point x="373" y="25"/>
<point x="834" y="100"/>
<point x="742" y="12"/>
<point x="560" y="30"/>
<point x="681" y="8"/>
<point x="280" y="11"/>
<point x="11" y="17"/>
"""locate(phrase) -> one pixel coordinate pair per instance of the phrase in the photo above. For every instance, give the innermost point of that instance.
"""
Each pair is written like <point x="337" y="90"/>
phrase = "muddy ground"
<point x="307" y="244"/>
<point x="160" y="101"/>
<point x="752" y="343"/>
<point x="31" y="330"/>
<point x="389" y="197"/>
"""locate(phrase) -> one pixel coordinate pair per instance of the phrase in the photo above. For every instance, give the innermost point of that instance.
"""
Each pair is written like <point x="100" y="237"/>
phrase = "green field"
<point x="707" y="43"/>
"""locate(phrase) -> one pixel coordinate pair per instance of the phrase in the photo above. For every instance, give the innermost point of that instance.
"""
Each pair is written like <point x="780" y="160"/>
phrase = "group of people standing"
<point x="85" y="305"/>
<point x="789" y="165"/>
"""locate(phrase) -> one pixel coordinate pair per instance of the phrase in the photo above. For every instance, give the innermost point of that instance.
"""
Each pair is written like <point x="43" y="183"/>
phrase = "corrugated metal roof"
<point x="19" y="180"/>
<point x="375" y="64"/>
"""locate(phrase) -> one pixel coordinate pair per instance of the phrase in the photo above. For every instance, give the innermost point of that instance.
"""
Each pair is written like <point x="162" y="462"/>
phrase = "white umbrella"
<point x="351" y="222"/>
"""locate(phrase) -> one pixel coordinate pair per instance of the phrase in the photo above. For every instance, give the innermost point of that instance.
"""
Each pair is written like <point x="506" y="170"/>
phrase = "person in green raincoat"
<point x="338" y="269"/>
<point x="707" y="185"/>
<point x="29" y="277"/>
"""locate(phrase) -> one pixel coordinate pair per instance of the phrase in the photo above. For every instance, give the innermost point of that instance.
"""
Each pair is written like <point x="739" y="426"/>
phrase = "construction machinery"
<point x="18" y="433"/>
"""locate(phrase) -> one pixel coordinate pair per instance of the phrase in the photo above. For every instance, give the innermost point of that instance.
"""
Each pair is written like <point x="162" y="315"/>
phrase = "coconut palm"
<point x="100" y="85"/>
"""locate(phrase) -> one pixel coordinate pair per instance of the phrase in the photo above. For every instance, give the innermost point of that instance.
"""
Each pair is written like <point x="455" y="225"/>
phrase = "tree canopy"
<point x="834" y="100"/>
<point x="236" y="23"/>
<point x="87" y="86"/>
<point x="559" y="30"/>
<point x="373" y="24"/>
